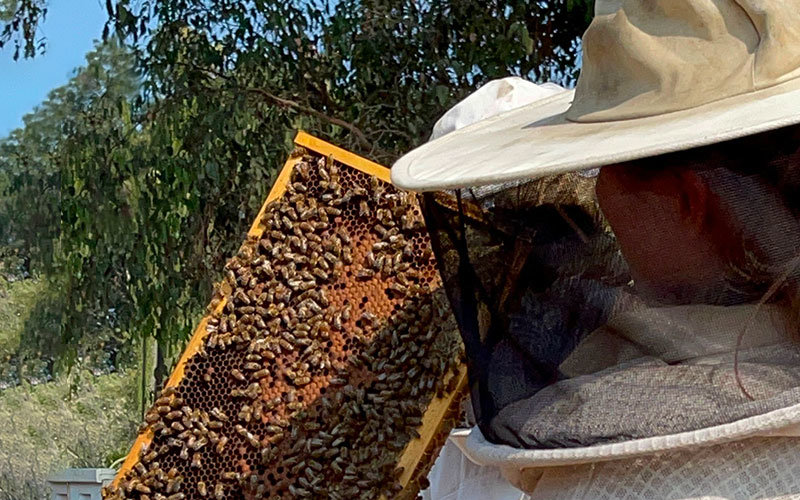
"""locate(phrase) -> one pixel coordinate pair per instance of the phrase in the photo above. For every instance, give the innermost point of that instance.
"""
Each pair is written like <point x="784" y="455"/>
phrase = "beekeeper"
<point x="633" y="331"/>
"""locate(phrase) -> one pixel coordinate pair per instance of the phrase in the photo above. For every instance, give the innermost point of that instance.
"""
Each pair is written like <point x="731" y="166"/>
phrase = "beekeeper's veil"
<point x="656" y="298"/>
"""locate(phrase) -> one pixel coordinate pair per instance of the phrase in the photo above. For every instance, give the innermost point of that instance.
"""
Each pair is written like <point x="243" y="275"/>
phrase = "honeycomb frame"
<point x="419" y="453"/>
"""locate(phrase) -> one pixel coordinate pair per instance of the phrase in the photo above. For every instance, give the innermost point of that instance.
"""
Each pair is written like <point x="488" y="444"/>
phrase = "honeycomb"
<point x="328" y="343"/>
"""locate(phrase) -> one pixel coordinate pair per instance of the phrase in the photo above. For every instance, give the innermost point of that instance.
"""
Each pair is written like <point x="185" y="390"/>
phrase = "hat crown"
<point x="650" y="57"/>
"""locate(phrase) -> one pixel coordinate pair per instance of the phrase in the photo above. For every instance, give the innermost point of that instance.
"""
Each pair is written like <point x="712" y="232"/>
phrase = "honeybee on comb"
<point x="333" y="340"/>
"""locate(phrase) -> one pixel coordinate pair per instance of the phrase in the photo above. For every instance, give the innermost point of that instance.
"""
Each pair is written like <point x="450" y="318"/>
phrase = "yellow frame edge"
<point x="416" y="448"/>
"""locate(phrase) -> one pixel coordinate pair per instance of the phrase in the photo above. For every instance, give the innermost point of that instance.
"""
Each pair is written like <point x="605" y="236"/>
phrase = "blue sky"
<point x="70" y="28"/>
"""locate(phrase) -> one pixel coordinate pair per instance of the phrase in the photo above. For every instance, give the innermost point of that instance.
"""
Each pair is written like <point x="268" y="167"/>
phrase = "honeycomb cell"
<point x="304" y="385"/>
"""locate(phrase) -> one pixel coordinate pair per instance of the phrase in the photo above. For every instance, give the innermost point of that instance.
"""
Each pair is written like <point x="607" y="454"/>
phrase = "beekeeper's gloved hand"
<point x="497" y="96"/>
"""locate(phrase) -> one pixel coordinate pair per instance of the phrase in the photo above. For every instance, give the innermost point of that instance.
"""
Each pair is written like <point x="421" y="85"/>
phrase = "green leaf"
<point x="442" y="94"/>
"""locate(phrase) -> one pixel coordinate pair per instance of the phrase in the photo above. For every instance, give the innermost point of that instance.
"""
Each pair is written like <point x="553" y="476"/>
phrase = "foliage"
<point x="129" y="194"/>
<point x="227" y="84"/>
<point x="32" y="163"/>
<point x="144" y="224"/>
<point x="77" y="421"/>
<point x="158" y="188"/>
<point x="18" y="306"/>
<point x="372" y="74"/>
<point x="31" y="158"/>
<point x="30" y="320"/>
<point x="19" y="24"/>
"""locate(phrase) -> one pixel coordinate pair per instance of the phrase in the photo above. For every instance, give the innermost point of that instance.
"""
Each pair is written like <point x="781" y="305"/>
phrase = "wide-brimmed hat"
<point x="658" y="76"/>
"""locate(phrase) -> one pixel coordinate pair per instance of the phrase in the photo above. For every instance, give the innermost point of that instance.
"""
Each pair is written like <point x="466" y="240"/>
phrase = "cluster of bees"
<point x="328" y="339"/>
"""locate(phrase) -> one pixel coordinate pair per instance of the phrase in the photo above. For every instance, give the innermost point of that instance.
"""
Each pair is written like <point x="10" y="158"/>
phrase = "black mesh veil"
<point x="564" y="345"/>
<point x="497" y="263"/>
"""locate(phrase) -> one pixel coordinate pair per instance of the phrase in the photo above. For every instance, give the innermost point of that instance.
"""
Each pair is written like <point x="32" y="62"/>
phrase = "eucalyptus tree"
<point x="158" y="189"/>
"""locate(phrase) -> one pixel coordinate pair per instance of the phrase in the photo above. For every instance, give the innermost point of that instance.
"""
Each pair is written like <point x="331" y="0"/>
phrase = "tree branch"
<point x="287" y="103"/>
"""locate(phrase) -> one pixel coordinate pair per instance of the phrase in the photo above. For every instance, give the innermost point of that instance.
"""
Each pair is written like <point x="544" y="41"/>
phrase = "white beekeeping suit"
<point x="766" y="466"/>
<point x="637" y="340"/>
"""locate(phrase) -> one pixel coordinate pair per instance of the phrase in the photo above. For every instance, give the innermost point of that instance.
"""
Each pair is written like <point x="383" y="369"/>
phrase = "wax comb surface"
<point x="330" y="365"/>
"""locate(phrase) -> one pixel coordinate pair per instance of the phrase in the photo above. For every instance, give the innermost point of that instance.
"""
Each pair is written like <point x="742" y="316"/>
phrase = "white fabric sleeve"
<point x="455" y="477"/>
<point x="497" y="96"/>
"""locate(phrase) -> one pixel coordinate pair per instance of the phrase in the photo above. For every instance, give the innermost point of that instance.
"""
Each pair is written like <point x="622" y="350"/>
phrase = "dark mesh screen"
<point x="657" y="297"/>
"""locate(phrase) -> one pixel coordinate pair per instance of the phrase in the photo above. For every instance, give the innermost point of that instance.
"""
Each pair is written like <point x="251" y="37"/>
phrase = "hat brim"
<point x="537" y="140"/>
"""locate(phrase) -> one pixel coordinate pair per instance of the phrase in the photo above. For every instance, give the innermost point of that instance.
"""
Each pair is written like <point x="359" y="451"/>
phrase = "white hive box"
<point x="79" y="484"/>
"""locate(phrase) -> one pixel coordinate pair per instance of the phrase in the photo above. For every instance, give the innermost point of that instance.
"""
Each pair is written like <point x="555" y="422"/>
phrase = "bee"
<point x="141" y="488"/>
<point x="398" y="289"/>
<point x="298" y="492"/>
<point x="337" y="322"/>
<point x="174" y="415"/>
<point x="365" y="274"/>
<point x="230" y="476"/>
<point x="370" y="259"/>
<point x="219" y="491"/>
<point x="323" y="172"/>
<point x="319" y="273"/>
<point x="253" y="390"/>
<point x="140" y="468"/>
<point x="272" y="403"/>
<point x="298" y="467"/>
<point x="336" y="245"/>
<point x="162" y="401"/>
<point x="319" y="262"/>
<point x="199" y="443"/>
<point x="363" y="209"/>
<point x="254" y="441"/>
<point x="196" y="461"/>
<point x="246" y="413"/>
<point x="221" y="444"/>
<point x="257" y="411"/>
<point x="202" y="490"/>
